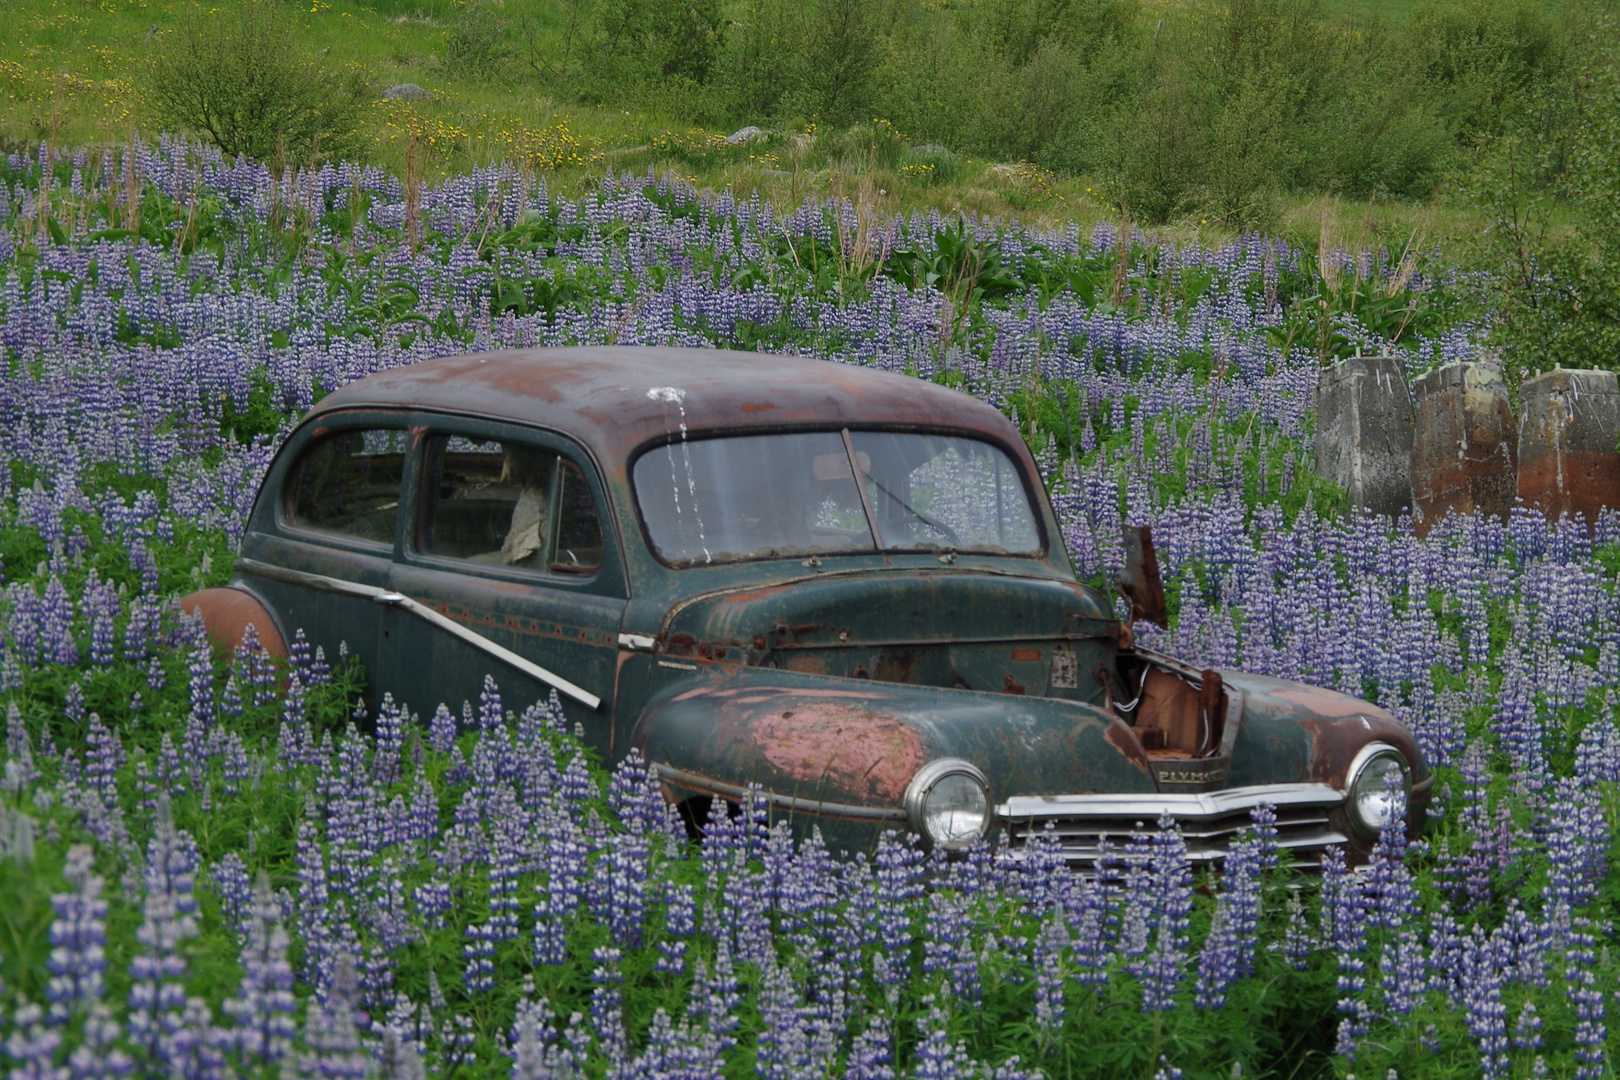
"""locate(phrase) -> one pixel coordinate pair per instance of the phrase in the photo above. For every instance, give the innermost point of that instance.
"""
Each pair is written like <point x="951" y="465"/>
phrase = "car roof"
<point x="615" y="398"/>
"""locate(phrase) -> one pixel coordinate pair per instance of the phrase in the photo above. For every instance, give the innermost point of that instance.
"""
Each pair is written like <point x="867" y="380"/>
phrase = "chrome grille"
<point x="1209" y="821"/>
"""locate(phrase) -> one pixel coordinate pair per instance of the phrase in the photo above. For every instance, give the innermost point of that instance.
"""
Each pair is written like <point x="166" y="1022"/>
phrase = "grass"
<point x="71" y="71"/>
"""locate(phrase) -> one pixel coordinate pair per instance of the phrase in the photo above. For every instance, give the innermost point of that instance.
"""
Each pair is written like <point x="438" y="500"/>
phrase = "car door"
<point x="506" y="546"/>
<point x="332" y="532"/>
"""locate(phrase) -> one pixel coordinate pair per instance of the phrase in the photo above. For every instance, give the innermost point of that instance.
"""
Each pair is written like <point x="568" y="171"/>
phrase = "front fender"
<point x="849" y="747"/>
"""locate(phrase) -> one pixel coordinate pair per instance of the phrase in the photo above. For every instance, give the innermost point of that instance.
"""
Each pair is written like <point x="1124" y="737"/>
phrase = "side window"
<point x="349" y="483"/>
<point x="579" y="529"/>
<point x="507" y="504"/>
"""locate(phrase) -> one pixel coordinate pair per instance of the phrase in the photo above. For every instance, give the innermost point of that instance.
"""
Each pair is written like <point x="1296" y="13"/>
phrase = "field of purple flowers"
<point x="209" y="867"/>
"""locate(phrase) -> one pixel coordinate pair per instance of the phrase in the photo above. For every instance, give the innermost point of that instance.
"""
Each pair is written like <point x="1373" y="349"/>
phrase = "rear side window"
<point x="349" y="483"/>
<point x="501" y="503"/>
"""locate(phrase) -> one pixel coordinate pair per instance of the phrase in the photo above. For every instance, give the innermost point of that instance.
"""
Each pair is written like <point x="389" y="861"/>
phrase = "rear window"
<point x="349" y="483"/>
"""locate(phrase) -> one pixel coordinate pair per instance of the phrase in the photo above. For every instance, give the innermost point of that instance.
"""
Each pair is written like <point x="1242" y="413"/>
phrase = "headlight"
<point x="1371" y="802"/>
<point x="948" y="803"/>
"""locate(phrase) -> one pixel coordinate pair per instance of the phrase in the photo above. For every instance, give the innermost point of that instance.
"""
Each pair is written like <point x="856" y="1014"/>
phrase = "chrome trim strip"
<point x="1179" y="806"/>
<point x="637" y="641"/>
<point x="427" y="614"/>
<point x="698" y="782"/>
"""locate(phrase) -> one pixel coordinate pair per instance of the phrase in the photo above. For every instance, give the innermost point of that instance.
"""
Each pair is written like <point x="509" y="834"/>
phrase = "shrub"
<point x="472" y="49"/>
<point x="240" y="78"/>
<point x="1553" y="287"/>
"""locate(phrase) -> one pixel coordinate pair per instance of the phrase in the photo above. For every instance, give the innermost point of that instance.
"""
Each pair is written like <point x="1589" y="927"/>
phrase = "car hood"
<point x="856" y="617"/>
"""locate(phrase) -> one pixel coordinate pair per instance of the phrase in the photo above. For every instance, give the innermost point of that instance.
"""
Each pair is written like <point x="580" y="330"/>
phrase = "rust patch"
<point x="1010" y="685"/>
<point x="842" y="748"/>
<point x="752" y="595"/>
<point x="1026" y="656"/>
<point x="1571" y="482"/>
<point x="1327" y="702"/>
<point x="227" y="613"/>
<point x="756" y="406"/>
<point x="808" y="663"/>
<point x="1124" y="740"/>
<point x="1335" y="743"/>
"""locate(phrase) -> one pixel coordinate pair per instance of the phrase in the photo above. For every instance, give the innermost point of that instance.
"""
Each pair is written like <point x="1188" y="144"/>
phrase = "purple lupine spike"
<point x="937" y="1057"/>
<point x="32" y="1046"/>
<point x="78" y="939"/>
<point x="200" y="666"/>
<point x="1581" y="986"/>
<point x="1217" y="962"/>
<point x="898" y="873"/>
<point x="235" y="889"/>
<point x="1051" y="942"/>
<point x="871" y="1055"/>
<point x="264" y="1007"/>
<point x="1404" y="975"/>
<point x="783" y="1045"/>
<point x="1160" y="902"/>
<point x="73" y="703"/>
<point x="1390" y="897"/>
<point x="334" y="1048"/>
<point x="386" y="766"/>
<point x="98" y="1055"/>
<point x="157" y="998"/>
<point x="1480" y="984"/>
<point x="948" y="948"/>
<point x="104" y="757"/>
<point x="56" y="625"/>
<point x="1527" y="1028"/>
<point x="1576" y="852"/>
<point x="489" y="706"/>
<point x="479" y="974"/>
<point x="607" y="1005"/>
<point x="564" y="889"/>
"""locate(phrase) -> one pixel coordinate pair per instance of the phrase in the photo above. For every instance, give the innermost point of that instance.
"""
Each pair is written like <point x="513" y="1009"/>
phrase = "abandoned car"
<point x="842" y="585"/>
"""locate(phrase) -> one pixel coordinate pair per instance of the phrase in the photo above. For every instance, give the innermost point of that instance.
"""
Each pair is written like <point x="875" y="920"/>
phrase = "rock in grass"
<point x="407" y="91"/>
<point x="745" y="135"/>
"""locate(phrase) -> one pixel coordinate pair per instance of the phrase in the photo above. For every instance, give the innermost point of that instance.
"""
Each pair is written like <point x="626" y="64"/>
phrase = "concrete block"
<point x="1568" y="463"/>
<point x="1364" y="428"/>
<point x="1465" y="455"/>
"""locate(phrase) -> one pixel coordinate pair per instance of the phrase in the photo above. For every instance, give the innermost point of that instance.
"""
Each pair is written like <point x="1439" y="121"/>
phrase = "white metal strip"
<point x="422" y="611"/>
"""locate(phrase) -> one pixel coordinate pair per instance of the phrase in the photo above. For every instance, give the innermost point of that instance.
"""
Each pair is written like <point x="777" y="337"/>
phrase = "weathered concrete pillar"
<point x="1568" y="463"/>
<point x="1466" y="452"/>
<point x="1364" y="433"/>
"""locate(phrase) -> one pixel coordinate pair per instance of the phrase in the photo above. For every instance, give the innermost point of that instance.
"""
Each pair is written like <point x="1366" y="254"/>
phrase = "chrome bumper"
<point x="1209" y="821"/>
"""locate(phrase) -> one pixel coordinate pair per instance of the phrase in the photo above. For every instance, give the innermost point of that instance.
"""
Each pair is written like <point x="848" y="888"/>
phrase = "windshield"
<point x="795" y="494"/>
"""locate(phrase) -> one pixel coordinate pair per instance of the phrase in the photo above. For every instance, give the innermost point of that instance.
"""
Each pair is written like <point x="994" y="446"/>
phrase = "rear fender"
<point x="228" y="612"/>
<point x="849" y="747"/>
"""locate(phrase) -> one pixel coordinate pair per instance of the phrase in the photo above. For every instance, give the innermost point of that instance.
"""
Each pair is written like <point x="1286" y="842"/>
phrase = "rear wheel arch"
<point x="227" y="613"/>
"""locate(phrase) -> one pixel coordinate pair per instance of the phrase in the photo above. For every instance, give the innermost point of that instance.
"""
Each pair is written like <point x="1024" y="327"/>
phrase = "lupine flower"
<point x="335" y="1050"/>
<point x="1159" y="967"/>
<point x="263" y="1008"/>
<point x="1051" y="942"/>
<point x="157" y="999"/>
<point x="32" y="1045"/>
<point x="98" y="1055"/>
<point x="78" y="939"/>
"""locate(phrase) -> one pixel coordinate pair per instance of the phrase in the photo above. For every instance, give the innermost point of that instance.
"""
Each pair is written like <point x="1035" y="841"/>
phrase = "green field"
<point x="76" y="72"/>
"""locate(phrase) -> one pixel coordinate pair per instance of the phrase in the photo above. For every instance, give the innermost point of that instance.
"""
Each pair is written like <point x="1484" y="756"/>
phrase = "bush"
<point x="1551" y="197"/>
<point x="239" y="78"/>
<point x="472" y="49"/>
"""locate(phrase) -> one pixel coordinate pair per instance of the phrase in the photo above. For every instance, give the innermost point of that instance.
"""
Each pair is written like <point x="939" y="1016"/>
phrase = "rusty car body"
<point x="893" y="654"/>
